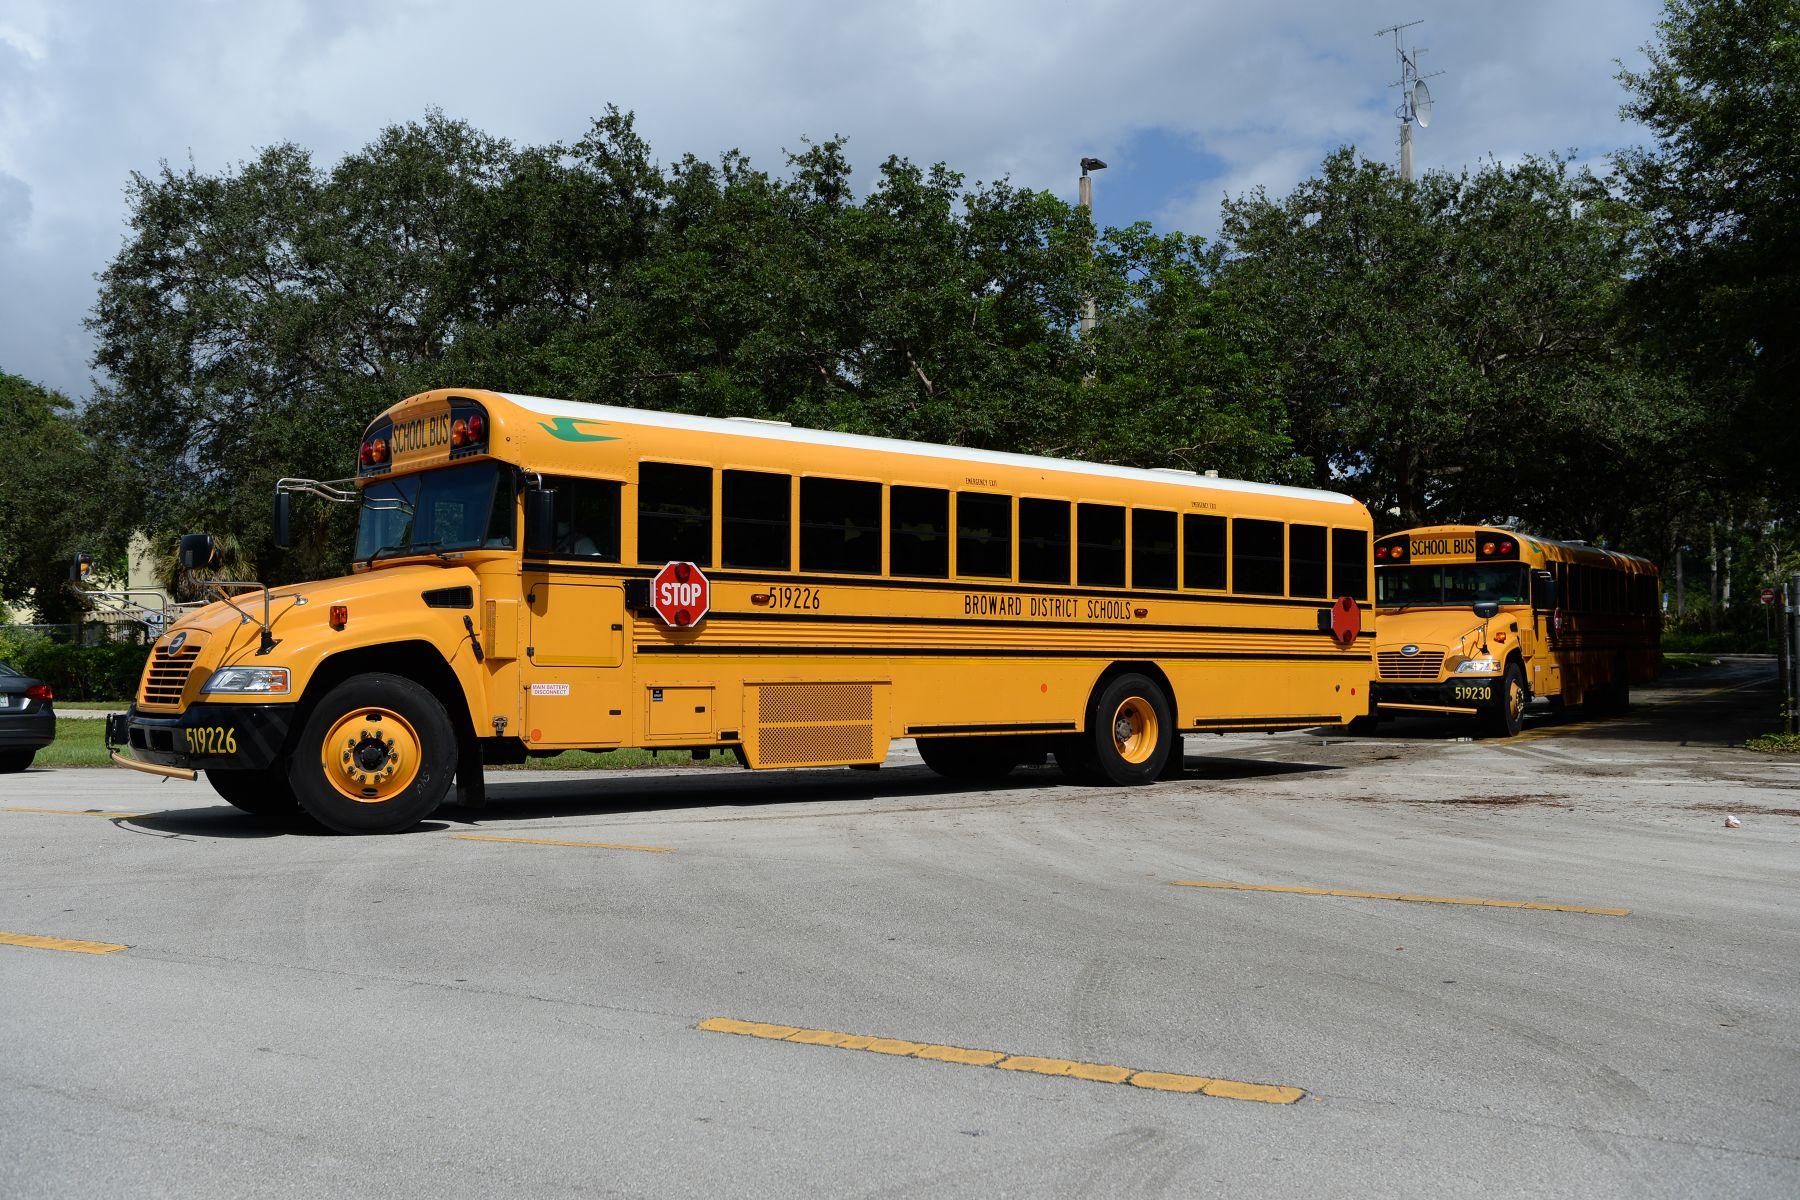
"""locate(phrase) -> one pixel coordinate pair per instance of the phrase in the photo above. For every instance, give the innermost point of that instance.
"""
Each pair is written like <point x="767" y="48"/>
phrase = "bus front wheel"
<point x="1129" y="737"/>
<point x="377" y="755"/>
<point x="1506" y="715"/>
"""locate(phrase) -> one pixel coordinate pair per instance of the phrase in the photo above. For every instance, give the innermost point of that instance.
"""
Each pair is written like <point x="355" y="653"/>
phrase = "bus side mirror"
<point x="284" y="515"/>
<point x="1543" y="590"/>
<point x="198" y="552"/>
<point x="1487" y="610"/>
<point x="80" y="567"/>
<point x="540" y="520"/>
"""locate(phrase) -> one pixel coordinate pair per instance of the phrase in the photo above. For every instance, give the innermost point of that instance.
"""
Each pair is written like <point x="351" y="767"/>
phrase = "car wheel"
<point x="12" y="761"/>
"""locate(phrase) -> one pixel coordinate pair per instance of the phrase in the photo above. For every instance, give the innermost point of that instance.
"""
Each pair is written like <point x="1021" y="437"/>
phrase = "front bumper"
<point x="232" y="737"/>
<point x="1465" y="695"/>
<point x="27" y="731"/>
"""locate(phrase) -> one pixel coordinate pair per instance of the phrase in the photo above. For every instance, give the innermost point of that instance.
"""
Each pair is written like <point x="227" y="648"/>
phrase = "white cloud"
<point x="89" y="93"/>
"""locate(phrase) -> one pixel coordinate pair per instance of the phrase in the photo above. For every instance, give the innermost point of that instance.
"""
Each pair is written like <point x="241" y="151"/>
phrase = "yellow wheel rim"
<point x="370" y="755"/>
<point x="1134" y="729"/>
<point x="1515" y="701"/>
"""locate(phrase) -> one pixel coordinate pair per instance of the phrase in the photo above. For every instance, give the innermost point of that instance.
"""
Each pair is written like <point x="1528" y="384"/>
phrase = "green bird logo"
<point x="569" y="429"/>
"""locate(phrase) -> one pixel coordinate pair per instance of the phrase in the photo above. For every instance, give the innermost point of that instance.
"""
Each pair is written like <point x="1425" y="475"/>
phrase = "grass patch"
<point x="1683" y="662"/>
<point x="95" y="705"/>
<point x="1775" y="743"/>
<point x="78" y="743"/>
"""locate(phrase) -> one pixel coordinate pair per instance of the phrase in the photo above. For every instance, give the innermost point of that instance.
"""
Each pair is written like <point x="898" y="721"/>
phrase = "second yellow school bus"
<point x="1481" y="621"/>
<point x="537" y="575"/>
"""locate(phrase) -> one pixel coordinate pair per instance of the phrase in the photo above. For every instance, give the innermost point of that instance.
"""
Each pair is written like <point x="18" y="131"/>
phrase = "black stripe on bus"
<point x="1022" y="623"/>
<point x="702" y="648"/>
<point x="1024" y="727"/>
<point x="1261" y="722"/>
<point x="941" y="585"/>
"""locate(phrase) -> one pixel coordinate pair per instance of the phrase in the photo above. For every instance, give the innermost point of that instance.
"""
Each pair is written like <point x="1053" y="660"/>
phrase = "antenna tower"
<point x="1415" y="97"/>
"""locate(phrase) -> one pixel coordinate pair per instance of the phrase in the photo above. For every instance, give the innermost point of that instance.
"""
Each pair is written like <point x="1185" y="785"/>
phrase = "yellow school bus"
<point x="536" y="575"/>
<point x="1481" y="621"/>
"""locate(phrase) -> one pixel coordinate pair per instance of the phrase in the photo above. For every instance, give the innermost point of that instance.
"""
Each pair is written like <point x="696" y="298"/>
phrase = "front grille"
<point x="1423" y="665"/>
<point x="167" y="676"/>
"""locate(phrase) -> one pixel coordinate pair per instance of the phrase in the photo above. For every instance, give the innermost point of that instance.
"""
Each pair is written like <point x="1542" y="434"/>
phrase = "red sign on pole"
<point x="680" y="594"/>
<point x="1768" y="595"/>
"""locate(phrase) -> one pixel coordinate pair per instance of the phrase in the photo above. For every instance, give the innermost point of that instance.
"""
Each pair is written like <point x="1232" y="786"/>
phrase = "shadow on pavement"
<point x="224" y="821"/>
<point x="1715" y="706"/>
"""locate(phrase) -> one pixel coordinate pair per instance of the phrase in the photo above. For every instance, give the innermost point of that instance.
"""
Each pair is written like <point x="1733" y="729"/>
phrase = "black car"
<point x="27" y="718"/>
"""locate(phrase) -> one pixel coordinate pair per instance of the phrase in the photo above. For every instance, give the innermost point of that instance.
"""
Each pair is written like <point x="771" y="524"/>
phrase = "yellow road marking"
<point x="69" y="812"/>
<point x="482" y="837"/>
<point x="1162" y="1081"/>
<point x="1352" y="893"/>
<point x="36" y="942"/>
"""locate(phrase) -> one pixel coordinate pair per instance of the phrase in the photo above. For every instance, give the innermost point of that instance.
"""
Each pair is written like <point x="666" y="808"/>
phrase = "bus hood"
<point x="1452" y="630"/>
<point x="300" y="615"/>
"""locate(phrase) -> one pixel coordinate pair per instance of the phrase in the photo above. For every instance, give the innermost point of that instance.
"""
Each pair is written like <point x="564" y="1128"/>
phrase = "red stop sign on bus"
<point x="680" y="594"/>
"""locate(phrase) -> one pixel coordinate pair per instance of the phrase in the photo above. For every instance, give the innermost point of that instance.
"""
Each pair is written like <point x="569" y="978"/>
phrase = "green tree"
<point x="1452" y="349"/>
<point x="60" y="493"/>
<point x="1719" y="291"/>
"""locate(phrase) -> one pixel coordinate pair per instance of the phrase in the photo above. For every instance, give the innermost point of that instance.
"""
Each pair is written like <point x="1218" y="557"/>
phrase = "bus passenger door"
<point x="575" y="684"/>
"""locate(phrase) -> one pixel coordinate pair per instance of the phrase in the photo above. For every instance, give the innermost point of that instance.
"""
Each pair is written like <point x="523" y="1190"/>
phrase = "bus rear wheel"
<point x="263" y="793"/>
<point x="1129" y="736"/>
<point x="377" y="755"/>
<point x="1505" y="716"/>
<point x="971" y="758"/>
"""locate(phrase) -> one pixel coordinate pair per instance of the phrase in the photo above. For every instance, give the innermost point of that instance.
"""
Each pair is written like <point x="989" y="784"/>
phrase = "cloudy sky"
<point x="1188" y="100"/>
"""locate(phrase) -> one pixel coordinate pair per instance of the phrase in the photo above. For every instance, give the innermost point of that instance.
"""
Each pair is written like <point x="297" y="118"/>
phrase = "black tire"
<point x="1129" y="701"/>
<point x="1505" y="716"/>
<point x="263" y="793"/>
<point x="972" y="759"/>
<point x="14" y="761"/>
<point x="365" y="702"/>
<point x="1363" y="726"/>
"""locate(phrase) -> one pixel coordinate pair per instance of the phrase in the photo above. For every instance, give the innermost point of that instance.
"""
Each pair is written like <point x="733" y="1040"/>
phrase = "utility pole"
<point x="1089" y="314"/>
<point x="1415" y="97"/>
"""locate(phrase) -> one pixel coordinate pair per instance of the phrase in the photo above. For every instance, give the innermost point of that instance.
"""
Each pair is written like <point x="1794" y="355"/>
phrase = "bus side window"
<point x="674" y="514"/>
<point x="1256" y="557"/>
<point x="1203" y="554"/>
<point x="919" y="531"/>
<point x="587" y="518"/>
<point x="1100" y="545"/>
<point x="840" y="526"/>
<point x="1306" y="561"/>
<point x="1350" y="563"/>
<point x="757" y="511"/>
<point x="1152" y="549"/>
<point x="1043" y="541"/>
<point x="984" y="535"/>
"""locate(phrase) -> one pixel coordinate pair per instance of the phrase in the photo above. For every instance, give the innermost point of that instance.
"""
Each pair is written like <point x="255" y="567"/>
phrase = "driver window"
<point x="587" y="518"/>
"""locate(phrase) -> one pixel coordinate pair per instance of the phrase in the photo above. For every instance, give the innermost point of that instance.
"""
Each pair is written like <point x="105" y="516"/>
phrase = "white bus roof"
<point x="769" y="431"/>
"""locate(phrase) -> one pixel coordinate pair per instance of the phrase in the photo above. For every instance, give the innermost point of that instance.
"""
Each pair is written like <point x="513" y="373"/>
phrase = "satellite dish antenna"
<point x="1421" y="104"/>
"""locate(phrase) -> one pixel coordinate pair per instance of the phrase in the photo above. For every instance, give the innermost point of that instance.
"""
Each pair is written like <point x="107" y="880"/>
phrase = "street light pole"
<point x="1089" y="314"/>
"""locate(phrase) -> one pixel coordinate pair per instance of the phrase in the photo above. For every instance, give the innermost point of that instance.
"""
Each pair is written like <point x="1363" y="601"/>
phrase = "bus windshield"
<point x="1451" y="584"/>
<point x="456" y="508"/>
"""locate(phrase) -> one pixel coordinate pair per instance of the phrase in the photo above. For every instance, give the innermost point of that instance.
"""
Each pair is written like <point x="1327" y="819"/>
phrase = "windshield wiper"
<point x="408" y="548"/>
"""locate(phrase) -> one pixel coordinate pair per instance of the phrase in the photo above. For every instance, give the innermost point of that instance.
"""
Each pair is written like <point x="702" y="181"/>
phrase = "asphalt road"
<point x="430" y="1015"/>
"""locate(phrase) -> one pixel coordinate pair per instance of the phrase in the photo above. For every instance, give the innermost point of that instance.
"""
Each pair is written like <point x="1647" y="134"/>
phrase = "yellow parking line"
<point x="1161" y="1081"/>
<point x="481" y="837"/>
<point x="36" y="942"/>
<point x="1352" y="893"/>
<point x="70" y="812"/>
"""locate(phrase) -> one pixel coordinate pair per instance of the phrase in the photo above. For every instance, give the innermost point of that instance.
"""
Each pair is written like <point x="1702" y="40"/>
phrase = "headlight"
<point x="1477" y="666"/>
<point x="266" y="681"/>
